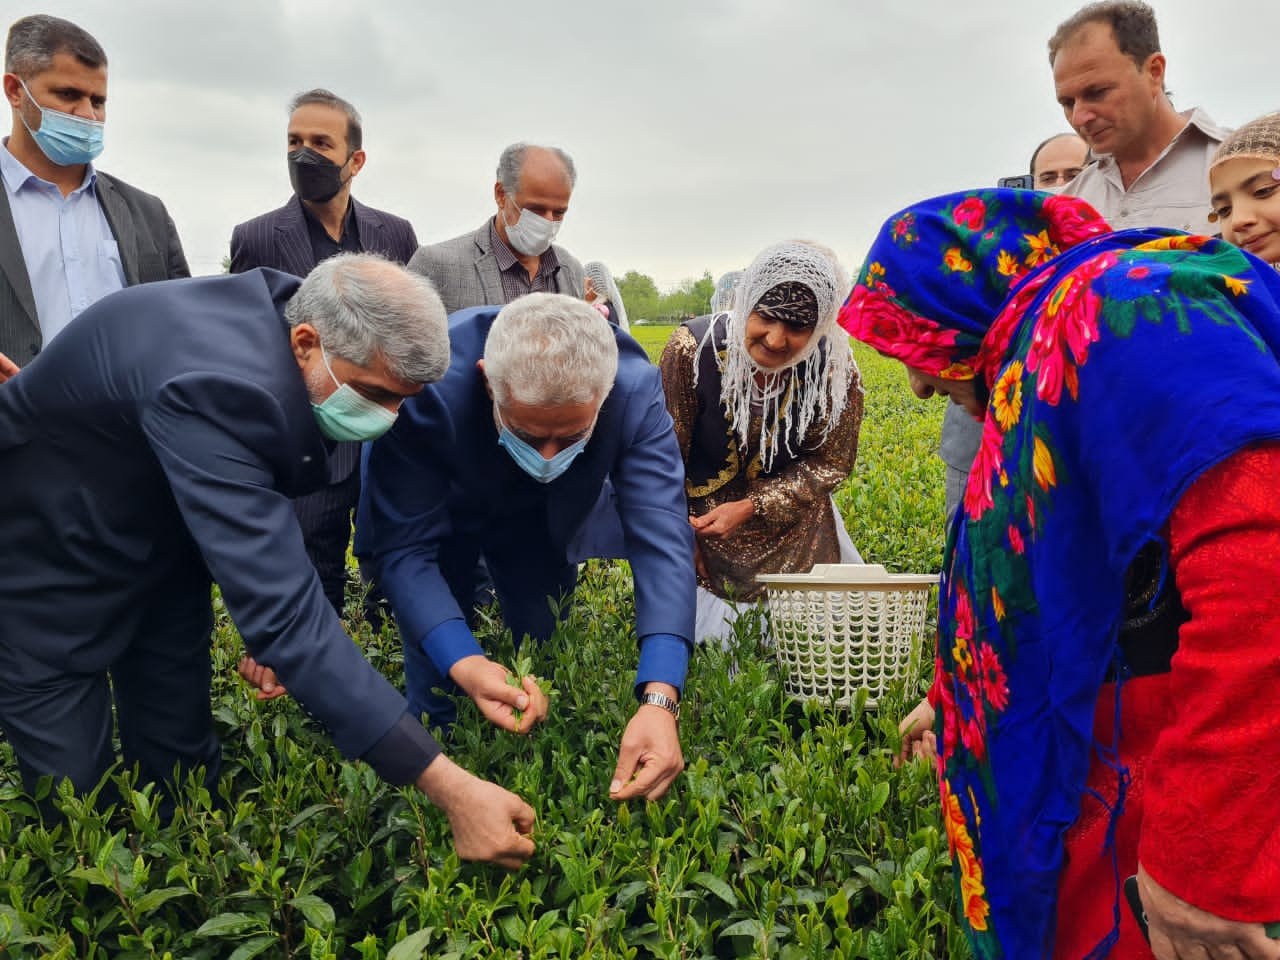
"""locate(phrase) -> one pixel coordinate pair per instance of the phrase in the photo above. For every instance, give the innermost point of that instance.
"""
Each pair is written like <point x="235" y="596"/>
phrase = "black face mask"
<point x="314" y="177"/>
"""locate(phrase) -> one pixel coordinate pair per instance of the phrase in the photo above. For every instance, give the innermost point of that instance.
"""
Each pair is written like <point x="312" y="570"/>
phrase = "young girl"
<point x="1244" y="184"/>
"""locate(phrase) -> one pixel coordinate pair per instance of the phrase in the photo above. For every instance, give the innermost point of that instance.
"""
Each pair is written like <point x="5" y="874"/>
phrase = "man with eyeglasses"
<point x="1057" y="161"/>
<point x="155" y="447"/>
<point x="1054" y="164"/>
<point x="69" y="233"/>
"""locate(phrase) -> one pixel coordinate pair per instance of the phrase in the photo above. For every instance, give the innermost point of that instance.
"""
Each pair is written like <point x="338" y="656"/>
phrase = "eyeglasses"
<point x="1056" y="178"/>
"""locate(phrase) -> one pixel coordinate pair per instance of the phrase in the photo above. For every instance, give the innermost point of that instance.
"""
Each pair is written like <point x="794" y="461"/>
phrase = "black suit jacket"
<point x="157" y="441"/>
<point x="149" y="250"/>
<point x="279" y="240"/>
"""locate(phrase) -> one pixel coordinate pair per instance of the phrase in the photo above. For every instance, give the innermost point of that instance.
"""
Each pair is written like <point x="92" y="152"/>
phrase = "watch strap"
<point x="661" y="700"/>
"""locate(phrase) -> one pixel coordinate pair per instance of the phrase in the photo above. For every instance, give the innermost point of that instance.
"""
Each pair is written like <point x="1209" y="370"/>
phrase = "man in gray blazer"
<point x="69" y="234"/>
<point x="512" y="253"/>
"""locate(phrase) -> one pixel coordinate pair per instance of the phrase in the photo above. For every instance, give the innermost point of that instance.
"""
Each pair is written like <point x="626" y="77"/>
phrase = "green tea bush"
<point x="790" y="835"/>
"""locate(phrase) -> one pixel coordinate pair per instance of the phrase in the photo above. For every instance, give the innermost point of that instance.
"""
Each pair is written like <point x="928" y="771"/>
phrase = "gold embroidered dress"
<point x="793" y="525"/>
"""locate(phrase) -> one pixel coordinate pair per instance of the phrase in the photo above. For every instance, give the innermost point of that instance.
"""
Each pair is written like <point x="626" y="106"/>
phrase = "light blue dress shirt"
<point x="72" y="257"/>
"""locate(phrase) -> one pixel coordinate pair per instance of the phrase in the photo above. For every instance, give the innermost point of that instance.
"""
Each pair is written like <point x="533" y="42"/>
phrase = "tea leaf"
<point x="317" y="912"/>
<point x="717" y="886"/>
<point x="228" y="925"/>
<point x="412" y="947"/>
<point x="253" y="948"/>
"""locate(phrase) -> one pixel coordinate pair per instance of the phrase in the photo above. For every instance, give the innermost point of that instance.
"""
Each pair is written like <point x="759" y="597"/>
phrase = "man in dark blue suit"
<point x="325" y="144"/>
<point x="507" y="454"/>
<point x="154" y="446"/>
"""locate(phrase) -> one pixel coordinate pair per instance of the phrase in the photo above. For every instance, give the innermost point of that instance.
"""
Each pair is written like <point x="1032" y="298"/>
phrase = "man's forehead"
<point x="1092" y="47"/>
<point x="1061" y="151"/>
<point x="548" y="420"/>
<point x="67" y="70"/>
<point x="318" y="118"/>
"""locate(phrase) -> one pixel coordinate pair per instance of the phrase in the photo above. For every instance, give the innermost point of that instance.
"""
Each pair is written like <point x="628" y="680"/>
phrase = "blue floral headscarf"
<point x="1121" y="366"/>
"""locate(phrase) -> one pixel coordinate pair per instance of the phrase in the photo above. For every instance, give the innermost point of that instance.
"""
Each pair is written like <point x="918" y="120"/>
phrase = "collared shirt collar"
<point x="16" y="175"/>
<point x="1196" y="118"/>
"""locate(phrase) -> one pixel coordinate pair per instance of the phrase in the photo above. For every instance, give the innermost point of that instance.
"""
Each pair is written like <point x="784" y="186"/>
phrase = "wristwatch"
<point x="661" y="700"/>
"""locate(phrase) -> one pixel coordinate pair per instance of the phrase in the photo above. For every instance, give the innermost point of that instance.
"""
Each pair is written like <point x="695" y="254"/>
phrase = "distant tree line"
<point x="691" y="298"/>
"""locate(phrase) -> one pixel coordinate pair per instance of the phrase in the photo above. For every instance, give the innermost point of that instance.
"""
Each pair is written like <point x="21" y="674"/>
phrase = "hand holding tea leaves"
<point x="919" y="742"/>
<point x="488" y="684"/>
<point x="650" y="758"/>
<point x="522" y="673"/>
<point x="488" y="822"/>
<point x="262" y="678"/>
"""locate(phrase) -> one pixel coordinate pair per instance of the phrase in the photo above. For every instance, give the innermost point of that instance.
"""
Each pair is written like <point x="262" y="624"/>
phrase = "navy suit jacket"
<point x="279" y="240"/>
<point x="439" y="475"/>
<point x="155" y="442"/>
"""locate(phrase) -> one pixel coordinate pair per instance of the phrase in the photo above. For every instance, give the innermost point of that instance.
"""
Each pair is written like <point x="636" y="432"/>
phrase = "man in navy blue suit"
<point x="325" y="153"/>
<point x="154" y="445"/>
<point x="507" y="454"/>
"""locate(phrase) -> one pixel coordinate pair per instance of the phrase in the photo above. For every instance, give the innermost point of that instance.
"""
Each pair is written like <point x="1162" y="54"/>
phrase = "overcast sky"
<point x="703" y="131"/>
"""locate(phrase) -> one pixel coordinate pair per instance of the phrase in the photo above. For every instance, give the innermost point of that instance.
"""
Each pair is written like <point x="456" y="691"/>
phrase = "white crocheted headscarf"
<point x="814" y="384"/>
<point x="602" y="280"/>
<point x="722" y="299"/>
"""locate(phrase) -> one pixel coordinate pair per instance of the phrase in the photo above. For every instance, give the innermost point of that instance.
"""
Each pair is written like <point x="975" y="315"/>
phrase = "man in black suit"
<point x="321" y="219"/>
<point x="153" y="447"/>
<point x="69" y="234"/>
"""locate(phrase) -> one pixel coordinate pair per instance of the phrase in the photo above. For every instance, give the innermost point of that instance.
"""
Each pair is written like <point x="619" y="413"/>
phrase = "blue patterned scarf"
<point x="1121" y="366"/>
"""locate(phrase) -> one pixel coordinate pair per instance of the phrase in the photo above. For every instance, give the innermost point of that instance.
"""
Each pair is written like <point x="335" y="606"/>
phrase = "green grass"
<point x="790" y="835"/>
<point x="653" y="337"/>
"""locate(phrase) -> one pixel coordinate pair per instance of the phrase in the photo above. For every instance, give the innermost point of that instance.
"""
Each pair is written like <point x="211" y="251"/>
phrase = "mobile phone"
<point x="1135" y="904"/>
<point x="1023" y="182"/>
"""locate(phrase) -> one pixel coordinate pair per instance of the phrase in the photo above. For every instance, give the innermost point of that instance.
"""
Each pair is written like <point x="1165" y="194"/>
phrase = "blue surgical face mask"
<point x="66" y="140"/>
<point x="531" y="461"/>
<point x="346" y="415"/>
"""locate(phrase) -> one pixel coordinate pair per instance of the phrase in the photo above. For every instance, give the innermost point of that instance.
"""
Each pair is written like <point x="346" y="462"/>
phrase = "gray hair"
<point x="323" y="97"/>
<point x="511" y="163"/>
<point x="548" y="349"/>
<point x="365" y="307"/>
<point x="34" y="41"/>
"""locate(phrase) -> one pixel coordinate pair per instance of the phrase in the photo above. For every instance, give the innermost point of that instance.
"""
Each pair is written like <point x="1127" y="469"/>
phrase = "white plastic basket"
<point x="845" y="626"/>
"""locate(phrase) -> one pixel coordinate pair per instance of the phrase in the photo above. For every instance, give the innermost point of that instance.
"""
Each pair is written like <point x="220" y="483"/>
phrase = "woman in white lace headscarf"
<point x="767" y="404"/>
<point x="601" y="291"/>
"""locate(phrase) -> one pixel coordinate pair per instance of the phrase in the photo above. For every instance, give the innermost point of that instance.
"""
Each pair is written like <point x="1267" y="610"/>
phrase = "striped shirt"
<point x="515" y="278"/>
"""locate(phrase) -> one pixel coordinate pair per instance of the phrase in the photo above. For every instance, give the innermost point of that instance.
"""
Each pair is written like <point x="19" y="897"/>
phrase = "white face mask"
<point x="531" y="234"/>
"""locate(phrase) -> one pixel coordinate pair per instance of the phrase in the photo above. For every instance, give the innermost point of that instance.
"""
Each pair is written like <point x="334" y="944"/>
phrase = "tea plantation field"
<point x="790" y="835"/>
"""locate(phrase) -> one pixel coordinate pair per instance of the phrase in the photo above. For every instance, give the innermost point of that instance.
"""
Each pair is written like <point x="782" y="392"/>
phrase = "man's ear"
<point x="302" y="340"/>
<point x="13" y="90"/>
<point x="1156" y="65"/>
<point x="357" y="162"/>
<point x="487" y="389"/>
